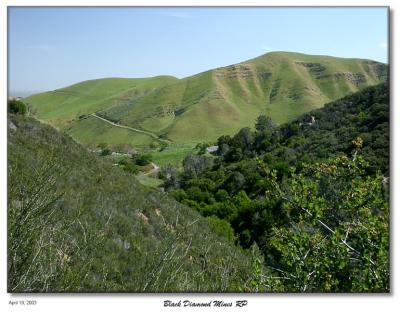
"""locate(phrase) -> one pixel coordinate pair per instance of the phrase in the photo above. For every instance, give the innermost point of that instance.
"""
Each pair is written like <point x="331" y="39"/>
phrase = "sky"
<point x="50" y="48"/>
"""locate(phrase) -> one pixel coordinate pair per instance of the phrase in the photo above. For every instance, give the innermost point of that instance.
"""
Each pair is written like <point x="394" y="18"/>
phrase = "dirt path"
<point x="154" y="170"/>
<point x="154" y="136"/>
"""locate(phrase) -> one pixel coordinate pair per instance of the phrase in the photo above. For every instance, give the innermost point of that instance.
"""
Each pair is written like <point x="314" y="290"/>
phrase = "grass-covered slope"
<point x="63" y="106"/>
<point x="92" y="131"/>
<point x="220" y="101"/>
<point x="78" y="223"/>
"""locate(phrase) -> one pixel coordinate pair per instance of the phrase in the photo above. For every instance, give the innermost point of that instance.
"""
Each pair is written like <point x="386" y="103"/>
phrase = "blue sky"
<point x="55" y="47"/>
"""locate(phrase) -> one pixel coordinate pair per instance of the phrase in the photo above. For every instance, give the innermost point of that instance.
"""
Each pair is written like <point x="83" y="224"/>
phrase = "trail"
<point x="154" y="170"/>
<point x="154" y="136"/>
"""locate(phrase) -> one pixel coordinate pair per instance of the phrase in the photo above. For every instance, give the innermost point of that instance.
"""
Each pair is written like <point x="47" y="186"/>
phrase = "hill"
<point x="202" y="107"/>
<point x="77" y="223"/>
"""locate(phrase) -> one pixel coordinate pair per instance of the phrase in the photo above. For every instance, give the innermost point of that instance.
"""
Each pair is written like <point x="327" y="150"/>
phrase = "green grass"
<point x="64" y="105"/>
<point x="202" y="107"/>
<point x="226" y="99"/>
<point x="92" y="131"/>
<point x="148" y="180"/>
<point x="172" y="155"/>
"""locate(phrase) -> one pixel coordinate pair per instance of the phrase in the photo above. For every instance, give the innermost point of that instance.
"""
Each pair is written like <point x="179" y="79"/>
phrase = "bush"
<point x="179" y="195"/>
<point x="143" y="160"/>
<point x="131" y="167"/>
<point x="221" y="228"/>
<point x="16" y="107"/>
<point x="105" y="152"/>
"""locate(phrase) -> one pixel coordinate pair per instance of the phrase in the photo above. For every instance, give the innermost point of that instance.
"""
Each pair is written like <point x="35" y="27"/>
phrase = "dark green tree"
<point x="16" y="107"/>
<point x="264" y="123"/>
<point x="143" y="160"/>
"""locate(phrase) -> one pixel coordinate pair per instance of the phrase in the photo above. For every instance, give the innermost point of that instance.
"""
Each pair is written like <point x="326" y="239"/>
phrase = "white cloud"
<point x="383" y="45"/>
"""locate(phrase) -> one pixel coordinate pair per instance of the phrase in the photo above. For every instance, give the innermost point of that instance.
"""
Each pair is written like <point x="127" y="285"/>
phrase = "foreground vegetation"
<point x="301" y="207"/>
<point x="78" y="223"/>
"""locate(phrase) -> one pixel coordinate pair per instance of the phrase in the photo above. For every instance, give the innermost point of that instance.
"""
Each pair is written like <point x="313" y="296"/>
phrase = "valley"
<point x="299" y="161"/>
<point x="199" y="151"/>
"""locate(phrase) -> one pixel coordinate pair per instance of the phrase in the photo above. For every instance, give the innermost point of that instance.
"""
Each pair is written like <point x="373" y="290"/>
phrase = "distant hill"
<point x="78" y="223"/>
<point x="202" y="107"/>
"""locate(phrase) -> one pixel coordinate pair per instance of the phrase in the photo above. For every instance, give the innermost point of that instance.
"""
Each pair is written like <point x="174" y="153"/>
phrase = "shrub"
<point x="143" y="160"/>
<point x="221" y="228"/>
<point x="105" y="152"/>
<point x="131" y="167"/>
<point x="16" y="107"/>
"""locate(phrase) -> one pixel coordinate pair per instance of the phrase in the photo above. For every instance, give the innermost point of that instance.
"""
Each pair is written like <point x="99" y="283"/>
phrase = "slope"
<point x="78" y="223"/>
<point x="202" y="107"/>
<point x="221" y="101"/>
<point x="63" y="106"/>
<point x="360" y="119"/>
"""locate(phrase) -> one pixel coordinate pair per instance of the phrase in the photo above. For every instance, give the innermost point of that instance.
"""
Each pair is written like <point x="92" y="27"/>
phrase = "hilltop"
<point x="200" y="108"/>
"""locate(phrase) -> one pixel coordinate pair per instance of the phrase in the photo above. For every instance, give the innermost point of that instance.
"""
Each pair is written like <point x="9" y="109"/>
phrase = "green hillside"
<point x="63" y="106"/>
<point x="78" y="223"/>
<point x="202" y="107"/>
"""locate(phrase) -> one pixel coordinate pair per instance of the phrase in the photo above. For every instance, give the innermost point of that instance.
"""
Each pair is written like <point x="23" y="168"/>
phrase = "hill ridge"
<point x="201" y="107"/>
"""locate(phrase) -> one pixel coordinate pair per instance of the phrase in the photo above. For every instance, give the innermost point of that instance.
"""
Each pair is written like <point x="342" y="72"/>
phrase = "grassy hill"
<point x="202" y="107"/>
<point x="78" y="223"/>
<point x="62" y="106"/>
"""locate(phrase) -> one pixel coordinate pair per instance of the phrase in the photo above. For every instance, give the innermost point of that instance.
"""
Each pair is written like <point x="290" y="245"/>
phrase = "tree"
<point x="105" y="152"/>
<point x="202" y="148"/>
<point x="16" y="107"/>
<point x="234" y="183"/>
<point x="222" y="195"/>
<point x="338" y="238"/>
<point x="170" y="176"/>
<point x="193" y="165"/>
<point x="224" y="144"/>
<point x="143" y="160"/>
<point x="179" y="195"/>
<point x="244" y="139"/>
<point x="221" y="227"/>
<point x="264" y="123"/>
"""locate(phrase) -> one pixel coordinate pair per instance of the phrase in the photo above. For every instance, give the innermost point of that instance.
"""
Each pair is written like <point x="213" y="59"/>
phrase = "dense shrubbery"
<point x="306" y="204"/>
<point x="78" y="223"/>
<point x="302" y="193"/>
